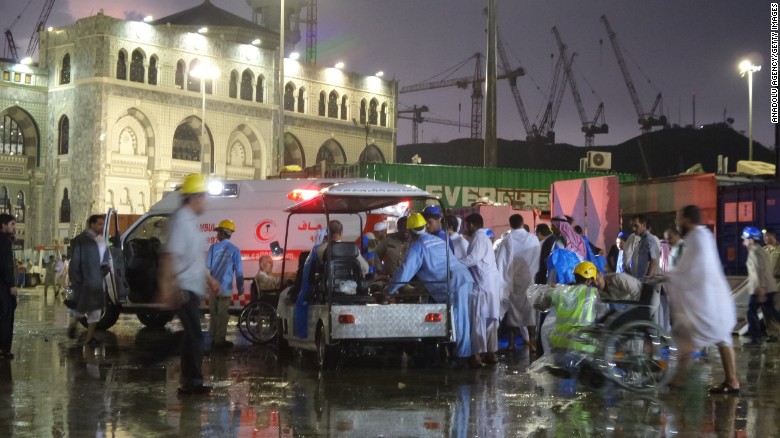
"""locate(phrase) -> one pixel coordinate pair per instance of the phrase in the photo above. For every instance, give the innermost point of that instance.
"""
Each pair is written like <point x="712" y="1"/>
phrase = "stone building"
<point x="111" y="116"/>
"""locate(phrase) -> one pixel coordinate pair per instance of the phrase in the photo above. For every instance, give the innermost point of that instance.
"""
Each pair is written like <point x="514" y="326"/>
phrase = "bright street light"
<point x="747" y="67"/>
<point x="203" y="30"/>
<point x="256" y="42"/>
<point x="379" y="74"/>
<point x="295" y="56"/>
<point x="204" y="72"/>
<point x="339" y="65"/>
<point x="148" y="19"/>
<point x="26" y="61"/>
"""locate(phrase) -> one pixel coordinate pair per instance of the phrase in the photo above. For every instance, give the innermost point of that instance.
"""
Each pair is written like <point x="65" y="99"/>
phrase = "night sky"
<point x="676" y="47"/>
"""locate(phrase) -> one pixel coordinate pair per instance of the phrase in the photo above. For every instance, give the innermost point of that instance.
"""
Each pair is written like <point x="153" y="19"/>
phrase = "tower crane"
<point x="590" y="128"/>
<point x="415" y="115"/>
<point x="646" y="120"/>
<point x="545" y="132"/>
<point x="475" y="82"/>
<point x="529" y="133"/>
<point x="311" y="31"/>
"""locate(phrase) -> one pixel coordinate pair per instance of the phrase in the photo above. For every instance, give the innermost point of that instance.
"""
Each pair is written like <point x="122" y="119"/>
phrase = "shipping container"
<point x="739" y="206"/>
<point x="460" y="186"/>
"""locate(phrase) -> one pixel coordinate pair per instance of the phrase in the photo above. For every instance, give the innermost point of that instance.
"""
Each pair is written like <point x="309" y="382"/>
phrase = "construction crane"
<point x="544" y="133"/>
<point x="476" y="85"/>
<point x="11" y="46"/>
<point x="515" y="91"/>
<point x="646" y="120"/>
<point x="590" y="128"/>
<point x="40" y="25"/>
<point x="415" y="115"/>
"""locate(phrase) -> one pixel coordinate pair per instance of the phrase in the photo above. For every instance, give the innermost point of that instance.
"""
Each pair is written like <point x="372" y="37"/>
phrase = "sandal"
<point x="724" y="388"/>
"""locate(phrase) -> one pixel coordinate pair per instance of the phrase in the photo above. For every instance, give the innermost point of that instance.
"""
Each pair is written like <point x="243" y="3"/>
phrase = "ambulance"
<point x="257" y="209"/>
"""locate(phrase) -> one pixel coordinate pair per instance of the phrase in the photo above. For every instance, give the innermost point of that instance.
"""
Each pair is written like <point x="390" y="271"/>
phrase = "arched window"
<point x="246" y="85"/>
<point x="383" y="115"/>
<point x="344" y="107"/>
<point x="186" y="143"/>
<point x="152" y="70"/>
<point x="372" y="112"/>
<point x="193" y="83"/>
<point x="259" y="88"/>
<point x="331" y="152"/>
<point x="137" y="70"/>
<point x="371" y="154"/>
<point x="121" y="65"/>
<point x="65" y="70"/>
<point x="322" y="105"/>
<point x="293" y="151"/>
<point x="289" y="97"/>
<point x="301" y="100"/>
<point x="180" y="66"/>
<point x="63" y="140"/>
<point x="363" y="111"/>
<point x="237" y="156"/>
<point x="20" y="207"/>
<point x="11" y="137"/>
<point x="233" y="90"/>
<point x="333" y="105"/>
<point x="5" y="202"/>
<point x="65" y="207"/>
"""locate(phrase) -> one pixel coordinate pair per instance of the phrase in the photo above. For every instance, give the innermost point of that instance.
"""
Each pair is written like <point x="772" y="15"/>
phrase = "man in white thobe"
<point x="485" y="299"/>
<point x="703" y="311"/>
<point x="460" y="246"/>
<point x="517" y="259"/>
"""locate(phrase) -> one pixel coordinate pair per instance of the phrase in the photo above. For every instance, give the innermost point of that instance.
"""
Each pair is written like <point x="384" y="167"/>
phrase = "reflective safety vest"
<point x="576" y="307"/>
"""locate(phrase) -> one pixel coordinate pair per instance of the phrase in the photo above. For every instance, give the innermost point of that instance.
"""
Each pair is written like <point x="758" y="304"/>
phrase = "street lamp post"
<point x="747" y="67"/>
<point x="204" y="72"/>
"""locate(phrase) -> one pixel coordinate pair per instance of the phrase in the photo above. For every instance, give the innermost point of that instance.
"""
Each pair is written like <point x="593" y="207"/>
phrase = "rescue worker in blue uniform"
<point x="427" y="259"/>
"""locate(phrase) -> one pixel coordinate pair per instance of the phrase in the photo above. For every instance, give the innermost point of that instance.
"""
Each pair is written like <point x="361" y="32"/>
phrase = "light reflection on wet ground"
<point x="128" y="389"/>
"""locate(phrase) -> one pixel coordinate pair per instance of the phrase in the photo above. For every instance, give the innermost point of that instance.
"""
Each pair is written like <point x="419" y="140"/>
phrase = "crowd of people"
<point x="486" y="278"/>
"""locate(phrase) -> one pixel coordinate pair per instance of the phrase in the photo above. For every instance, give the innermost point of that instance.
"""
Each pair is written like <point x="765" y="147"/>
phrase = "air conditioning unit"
<point x="599" y="160"/>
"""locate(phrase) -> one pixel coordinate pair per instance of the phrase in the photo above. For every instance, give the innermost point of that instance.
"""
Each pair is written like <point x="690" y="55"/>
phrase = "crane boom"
<point x="623" y="68"/>
<point x="575" y="92"/>
<point x="513" y="86"/>
<point x="558" y="97"/>
<point x="9" y="39"/>
<point x="35" y="38"/>
<point x="415" y="115"/>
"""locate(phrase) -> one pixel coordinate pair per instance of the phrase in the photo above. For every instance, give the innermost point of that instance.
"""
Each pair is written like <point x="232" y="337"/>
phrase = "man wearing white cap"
<point x="380" y="231"/>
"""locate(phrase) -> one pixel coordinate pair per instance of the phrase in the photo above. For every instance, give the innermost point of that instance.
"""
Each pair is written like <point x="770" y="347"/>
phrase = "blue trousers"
<point x="767" y="308"/>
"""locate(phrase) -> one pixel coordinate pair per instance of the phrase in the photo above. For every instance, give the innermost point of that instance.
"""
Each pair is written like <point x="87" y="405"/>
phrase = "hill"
<point x="666" y="152"/>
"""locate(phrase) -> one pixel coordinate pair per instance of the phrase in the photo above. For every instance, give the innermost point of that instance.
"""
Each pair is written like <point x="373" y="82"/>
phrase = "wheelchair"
<point x="626" y="346"/>
<point x="258" y="322"/>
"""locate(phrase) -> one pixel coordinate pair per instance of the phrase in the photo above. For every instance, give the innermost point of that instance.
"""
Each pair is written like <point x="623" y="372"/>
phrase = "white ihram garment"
<point x="702" y="308"/>
<point x="485" y="300"/>
<point x="517" y="260"/>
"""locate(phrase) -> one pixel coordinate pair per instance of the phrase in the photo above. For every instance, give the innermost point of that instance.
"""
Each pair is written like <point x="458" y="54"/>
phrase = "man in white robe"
<point x="459" y="244"/>
<point x="517" y="259"/>
<point x="485" y="300"/>
<point x="703" y="311"/>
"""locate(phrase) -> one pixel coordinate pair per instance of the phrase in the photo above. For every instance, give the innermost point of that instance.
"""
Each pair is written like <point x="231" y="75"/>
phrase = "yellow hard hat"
<point x="194" y="183"/>
<point x="227" y="225"/>
<point x="586" y="270"/>
<point x="415" y="221"/>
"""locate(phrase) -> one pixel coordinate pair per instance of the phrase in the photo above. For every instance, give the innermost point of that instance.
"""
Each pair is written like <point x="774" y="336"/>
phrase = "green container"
<point x="460" y="186"/>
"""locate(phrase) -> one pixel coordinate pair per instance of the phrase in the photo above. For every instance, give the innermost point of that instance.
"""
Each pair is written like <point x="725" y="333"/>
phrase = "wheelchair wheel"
<point x="258" y="322"/>
<point x="640" y="356"/>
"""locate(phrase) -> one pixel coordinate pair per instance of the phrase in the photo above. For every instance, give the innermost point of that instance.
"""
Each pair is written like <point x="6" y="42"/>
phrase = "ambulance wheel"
<point x="108" y="317"/>
<point x="155" y="319"/>
<point x="326" y="356"/>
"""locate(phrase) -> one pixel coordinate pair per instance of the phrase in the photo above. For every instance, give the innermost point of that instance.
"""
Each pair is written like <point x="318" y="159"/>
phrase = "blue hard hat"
<point x="490" y="233"/>
<point x="431" y="211"/>
<point x="752" y="233"/>
<point x="622" y="235"/>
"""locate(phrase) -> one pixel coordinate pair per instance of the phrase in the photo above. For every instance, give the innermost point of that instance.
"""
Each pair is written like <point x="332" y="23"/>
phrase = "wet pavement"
<point x="55" y="387"/>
